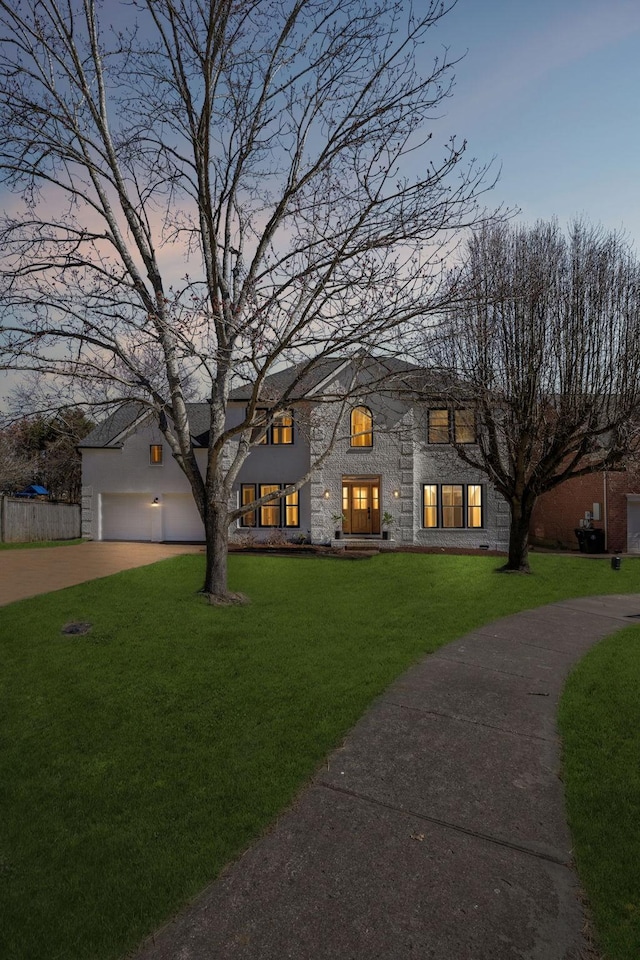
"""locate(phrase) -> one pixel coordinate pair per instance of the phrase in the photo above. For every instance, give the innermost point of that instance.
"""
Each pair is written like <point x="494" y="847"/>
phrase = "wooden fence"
<point x="25" y="521"/>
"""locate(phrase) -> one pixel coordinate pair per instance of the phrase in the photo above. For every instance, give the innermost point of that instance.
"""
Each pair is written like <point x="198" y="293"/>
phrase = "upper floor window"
<point x="155" y="454"/>
<point x="452" y="426"/>
<point x="361" y="427"/>
<point x="438" y="426"/>
<point x="280" y="430"/>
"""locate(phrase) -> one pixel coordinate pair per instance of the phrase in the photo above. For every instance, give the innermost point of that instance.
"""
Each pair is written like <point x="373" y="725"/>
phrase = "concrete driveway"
<point x="27" y="573"/>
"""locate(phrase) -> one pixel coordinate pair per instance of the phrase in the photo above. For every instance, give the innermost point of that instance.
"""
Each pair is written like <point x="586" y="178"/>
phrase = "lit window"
<point x="452" y="512"/>
<point x="464" y="426"/>
<point x="452" y="505"/>
<point x="248" y="495"/>
<point x="155" y="454"/>
<point x="474" y="505"/>
<point x="282" y="428"/>
<point x="430" y="505"/>
<point x="269" y="512"/>
<point x="292" y="510"/>
<point x="280" y="512"/>
<point x="280" y="431"/>
<point x="361" y="427"/>
<point x="446" y="426"/>
<point x="438" y="426"/>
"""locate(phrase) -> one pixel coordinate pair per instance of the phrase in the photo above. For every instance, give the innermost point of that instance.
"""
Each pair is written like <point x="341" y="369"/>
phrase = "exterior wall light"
<point x="396" y="494"/>
<point x="155" y="502"/>
<point x="327" y="494"/>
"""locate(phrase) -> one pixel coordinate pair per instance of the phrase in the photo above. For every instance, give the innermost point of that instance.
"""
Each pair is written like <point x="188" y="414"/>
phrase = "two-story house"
<point x="387" y="450"/>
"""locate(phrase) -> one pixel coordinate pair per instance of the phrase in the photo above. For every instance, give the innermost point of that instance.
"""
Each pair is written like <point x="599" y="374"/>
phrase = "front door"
<point x="361" y="506"/>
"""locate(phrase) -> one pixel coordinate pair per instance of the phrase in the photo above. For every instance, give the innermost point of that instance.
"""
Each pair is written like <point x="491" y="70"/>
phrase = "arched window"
<point x="361" y="427"/>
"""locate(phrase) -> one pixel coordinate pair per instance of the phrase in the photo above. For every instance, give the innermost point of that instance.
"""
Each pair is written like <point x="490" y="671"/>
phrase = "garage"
<point x="127" y="516"/>
<point x="180" y="518"/>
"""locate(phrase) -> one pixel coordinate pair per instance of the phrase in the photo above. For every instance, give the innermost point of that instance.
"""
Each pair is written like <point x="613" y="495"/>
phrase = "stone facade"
<point x="557" y="513"/>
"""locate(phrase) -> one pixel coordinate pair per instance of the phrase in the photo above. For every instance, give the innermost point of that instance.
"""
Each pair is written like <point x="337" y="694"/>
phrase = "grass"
<point x="139" y="759"/>
<point x="600" y="723"/>
<point x="36" y="544"/>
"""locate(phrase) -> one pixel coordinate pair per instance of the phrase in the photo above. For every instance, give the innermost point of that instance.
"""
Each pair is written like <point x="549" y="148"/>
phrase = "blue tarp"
<point x="33" y="491"/>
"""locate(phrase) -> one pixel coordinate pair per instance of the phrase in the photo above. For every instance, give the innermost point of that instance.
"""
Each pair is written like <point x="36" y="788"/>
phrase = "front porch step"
<point x="361" y="543"/>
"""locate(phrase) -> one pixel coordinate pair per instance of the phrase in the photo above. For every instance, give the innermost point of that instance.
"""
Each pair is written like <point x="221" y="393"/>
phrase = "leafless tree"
<point x="18" y="468"/>
<point x="283" y="147"/>
<point x="544" y="338"/>
<point x="44" y="450"/>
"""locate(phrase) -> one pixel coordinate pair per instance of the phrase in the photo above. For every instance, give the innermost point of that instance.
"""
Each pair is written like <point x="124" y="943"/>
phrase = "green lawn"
<point x="600" y="723"/>
<point x="35" y="544"/>
<point x="140" y="758"/>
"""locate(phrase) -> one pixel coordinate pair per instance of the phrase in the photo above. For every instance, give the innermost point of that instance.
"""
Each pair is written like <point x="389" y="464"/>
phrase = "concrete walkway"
<point x="27" y="573"/>
<point x="437" y="831"/>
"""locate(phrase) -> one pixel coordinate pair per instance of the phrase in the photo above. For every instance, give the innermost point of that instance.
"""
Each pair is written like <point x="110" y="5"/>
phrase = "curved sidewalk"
<point x="437" y="831"/>
<point x="29" y="572"/>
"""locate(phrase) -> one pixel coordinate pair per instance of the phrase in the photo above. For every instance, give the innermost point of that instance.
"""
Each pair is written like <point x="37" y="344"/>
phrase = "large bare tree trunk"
<point x="216" y="524"/>
<point x="215" y="578"/>
<point x="521" y="512"/>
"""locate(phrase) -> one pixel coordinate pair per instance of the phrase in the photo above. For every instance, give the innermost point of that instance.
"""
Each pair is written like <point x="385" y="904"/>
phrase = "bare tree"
<point x="282" y="147"/>
<point x="44" y="450"/>
<point x="18" y="467"/>
<point x="544" y="338"/>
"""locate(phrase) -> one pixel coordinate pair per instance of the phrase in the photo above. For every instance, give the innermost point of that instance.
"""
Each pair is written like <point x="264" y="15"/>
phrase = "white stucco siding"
<point x="280" y="464"/>
<point x="126" y="472"/>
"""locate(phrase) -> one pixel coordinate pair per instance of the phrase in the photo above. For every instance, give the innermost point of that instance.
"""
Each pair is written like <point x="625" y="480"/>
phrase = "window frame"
<point x="441" y="427"/>
<point x="452" y="426"/>
<point x="360" y="435"/>
<point x="284" y="504"/>
<point x="462" y="411"/>
<point x="154" y="460"/>
<point x="467" y="508"/>
<point x="276" y="428"/>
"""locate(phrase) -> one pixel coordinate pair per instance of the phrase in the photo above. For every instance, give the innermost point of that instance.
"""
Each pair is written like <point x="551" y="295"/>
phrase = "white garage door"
<point x="180" y="518"/>
<point x="127" y="516"/>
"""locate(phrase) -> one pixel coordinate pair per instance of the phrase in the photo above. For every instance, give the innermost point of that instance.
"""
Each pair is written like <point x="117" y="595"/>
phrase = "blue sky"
<point x="551" y="88"/>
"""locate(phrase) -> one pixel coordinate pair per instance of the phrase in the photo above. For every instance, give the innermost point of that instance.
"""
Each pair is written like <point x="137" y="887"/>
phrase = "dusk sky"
<point x="552" y="89"/>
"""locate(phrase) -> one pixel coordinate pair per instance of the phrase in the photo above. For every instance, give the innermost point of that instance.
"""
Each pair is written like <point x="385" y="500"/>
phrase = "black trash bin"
<point x="590" y="539"/>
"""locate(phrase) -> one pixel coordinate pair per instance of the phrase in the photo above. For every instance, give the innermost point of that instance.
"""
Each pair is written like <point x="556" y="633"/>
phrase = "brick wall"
<point x="557" y="513"/>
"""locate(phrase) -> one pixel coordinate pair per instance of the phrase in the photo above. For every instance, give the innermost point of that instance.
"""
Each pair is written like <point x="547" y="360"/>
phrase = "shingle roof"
<point x="277" y="383"/>
<point x="106" y="434"/>
<point x="116" y="423"/>
<point x="399" y="378"/>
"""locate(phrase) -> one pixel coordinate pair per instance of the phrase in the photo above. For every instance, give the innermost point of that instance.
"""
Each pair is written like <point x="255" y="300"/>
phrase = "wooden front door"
<point x="361" y="506"/>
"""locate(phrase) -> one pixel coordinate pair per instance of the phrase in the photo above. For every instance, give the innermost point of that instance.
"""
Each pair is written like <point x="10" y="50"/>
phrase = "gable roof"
<point x="399" y="380"/>
<point x="278" y="383"/>
<point x="113" y="431"/>
<point x="393" y="373"/>
<point x="105" y="433"/>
